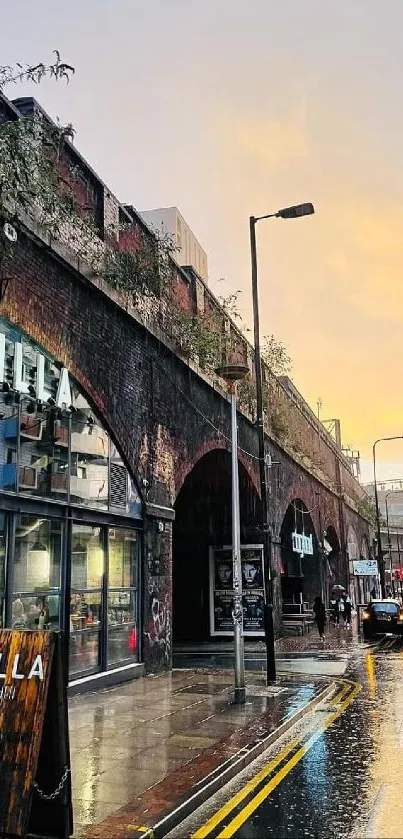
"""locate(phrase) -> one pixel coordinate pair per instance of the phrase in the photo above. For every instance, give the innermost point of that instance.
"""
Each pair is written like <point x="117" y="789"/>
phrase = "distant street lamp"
<point x="381" y="564"/>
<point x="233" y="373"/>
<point x="288" y="212"/>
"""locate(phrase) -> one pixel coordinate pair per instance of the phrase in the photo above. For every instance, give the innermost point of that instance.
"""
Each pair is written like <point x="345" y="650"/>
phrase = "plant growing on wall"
<point x="366" y="509"/>
<point x="197" y="338"/>
<point x="275" y="356"/>
<point x="34" y="182"/>
<point x="147" y="269"/>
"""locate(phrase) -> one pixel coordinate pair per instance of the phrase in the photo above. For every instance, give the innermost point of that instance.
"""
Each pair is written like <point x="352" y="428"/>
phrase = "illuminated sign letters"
<point x="19" y="384"/>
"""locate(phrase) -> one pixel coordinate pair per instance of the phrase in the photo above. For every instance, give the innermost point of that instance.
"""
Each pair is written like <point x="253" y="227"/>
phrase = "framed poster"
<point x="222" y="594"/>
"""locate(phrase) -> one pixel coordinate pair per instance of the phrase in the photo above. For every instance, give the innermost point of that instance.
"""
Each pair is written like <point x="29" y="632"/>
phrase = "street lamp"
<point x="381" y="564"/>
<point x="287" y="212"/>
<point x="233" y="373"/>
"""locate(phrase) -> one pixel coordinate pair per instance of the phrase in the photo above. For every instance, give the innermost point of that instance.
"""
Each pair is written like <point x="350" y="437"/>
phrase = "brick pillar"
<point x="277" y="598"/>
<point x="157" y="606"/>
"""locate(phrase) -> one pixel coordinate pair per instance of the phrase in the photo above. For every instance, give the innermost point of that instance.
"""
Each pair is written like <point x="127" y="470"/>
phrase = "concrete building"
<point x="168" y="220"/>
<point x="390" y="497"/>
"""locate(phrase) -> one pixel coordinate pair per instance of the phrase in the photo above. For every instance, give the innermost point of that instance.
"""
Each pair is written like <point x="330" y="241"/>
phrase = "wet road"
<point x="341" y="774"/>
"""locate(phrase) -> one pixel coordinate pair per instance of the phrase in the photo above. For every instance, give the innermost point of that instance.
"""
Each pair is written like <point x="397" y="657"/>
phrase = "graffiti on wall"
<point x="159" y="627"/>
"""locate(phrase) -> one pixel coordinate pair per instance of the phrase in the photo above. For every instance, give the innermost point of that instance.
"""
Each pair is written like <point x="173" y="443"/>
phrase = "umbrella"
<point x="338" y="588"/>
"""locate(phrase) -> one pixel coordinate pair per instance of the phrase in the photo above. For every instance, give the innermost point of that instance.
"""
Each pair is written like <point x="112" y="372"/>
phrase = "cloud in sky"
<point x="331" y="286"/>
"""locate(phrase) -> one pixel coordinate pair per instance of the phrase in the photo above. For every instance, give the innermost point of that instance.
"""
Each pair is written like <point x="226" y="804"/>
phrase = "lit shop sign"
<point x="63" y="398"/>
<point x="302" y="544"/>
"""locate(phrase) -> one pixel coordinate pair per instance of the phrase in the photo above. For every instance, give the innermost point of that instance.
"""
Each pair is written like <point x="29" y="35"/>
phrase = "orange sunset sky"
<point x="228" y="108"/>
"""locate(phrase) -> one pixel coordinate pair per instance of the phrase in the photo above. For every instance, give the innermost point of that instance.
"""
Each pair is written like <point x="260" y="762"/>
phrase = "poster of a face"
<point x="223" y="573"/>
<point x="252" y="575"/>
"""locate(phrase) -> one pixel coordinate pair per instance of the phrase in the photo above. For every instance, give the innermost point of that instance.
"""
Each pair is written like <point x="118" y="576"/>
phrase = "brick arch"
<point x="296" y="494"/>
<point x="332" y="534"/>
<point x="210" y="446"/>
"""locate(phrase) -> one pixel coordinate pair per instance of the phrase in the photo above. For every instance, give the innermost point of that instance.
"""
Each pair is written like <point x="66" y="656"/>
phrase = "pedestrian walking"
<point x="347" y="610"/>
<point x="334" y="610"/>
<point x="320" y="616"/>
<point x="341" y="611"/>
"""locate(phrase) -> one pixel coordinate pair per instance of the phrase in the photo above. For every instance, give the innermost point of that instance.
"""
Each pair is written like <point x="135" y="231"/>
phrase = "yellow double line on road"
<point x="343" y="699"/>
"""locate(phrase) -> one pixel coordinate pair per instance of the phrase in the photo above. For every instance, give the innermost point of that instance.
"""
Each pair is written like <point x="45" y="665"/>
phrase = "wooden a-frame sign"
<point x="34" y="742"/>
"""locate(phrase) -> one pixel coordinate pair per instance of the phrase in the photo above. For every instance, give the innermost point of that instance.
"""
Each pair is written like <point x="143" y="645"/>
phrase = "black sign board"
<point x="35" y="785"/>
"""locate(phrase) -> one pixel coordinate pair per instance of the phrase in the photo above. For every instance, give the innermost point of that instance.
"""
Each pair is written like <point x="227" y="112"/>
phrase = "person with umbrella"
<point x="338" y="603"/>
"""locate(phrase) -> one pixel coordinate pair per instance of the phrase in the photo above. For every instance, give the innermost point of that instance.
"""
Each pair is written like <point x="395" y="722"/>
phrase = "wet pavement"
<point x="339" y="775"/>
<point x="138" y="749"/>
<point x="294" y="654"/>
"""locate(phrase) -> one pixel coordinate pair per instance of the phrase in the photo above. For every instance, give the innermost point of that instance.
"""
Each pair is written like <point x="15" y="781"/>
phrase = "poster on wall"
<point x="222" y="595"/>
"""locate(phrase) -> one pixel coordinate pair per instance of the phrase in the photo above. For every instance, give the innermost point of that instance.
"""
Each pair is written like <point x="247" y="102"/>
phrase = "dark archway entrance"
<point x="300" y="571"/>
<point x="332" y="559"/>
<point x="202" y="520"/>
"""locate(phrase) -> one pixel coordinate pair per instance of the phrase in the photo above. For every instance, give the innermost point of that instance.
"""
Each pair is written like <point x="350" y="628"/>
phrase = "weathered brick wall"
<point x="161" y="413"/>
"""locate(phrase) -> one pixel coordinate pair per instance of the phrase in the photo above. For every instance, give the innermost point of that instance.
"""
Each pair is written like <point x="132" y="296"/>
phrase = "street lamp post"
<point x="287" y="212"/>
<point x="381" y="564"/>
<point x="232" y="374"/>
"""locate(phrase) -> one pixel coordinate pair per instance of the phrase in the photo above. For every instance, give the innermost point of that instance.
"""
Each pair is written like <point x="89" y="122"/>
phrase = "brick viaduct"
<point x="171" y="423"/>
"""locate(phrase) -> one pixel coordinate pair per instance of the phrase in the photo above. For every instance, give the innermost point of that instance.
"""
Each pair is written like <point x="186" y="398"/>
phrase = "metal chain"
<point x="52" y="795"/>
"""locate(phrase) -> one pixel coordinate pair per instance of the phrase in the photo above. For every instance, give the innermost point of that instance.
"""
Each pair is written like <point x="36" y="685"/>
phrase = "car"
<point x="382" y="616"/>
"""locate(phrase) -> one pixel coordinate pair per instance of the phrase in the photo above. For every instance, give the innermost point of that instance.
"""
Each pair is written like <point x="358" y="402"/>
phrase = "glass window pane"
<point x="123" y="558"/>
<point x="44" y="439"/>
<point x="84" y="651"/>
<point x="85" y="610"/>
<point x="36" y="611"/>
<point x="89" y="483"/>
<point x="37" y="555"/>
<point x="87" y="559"/>
<point x="122" y="626"/>
<point x="2" y="567"/>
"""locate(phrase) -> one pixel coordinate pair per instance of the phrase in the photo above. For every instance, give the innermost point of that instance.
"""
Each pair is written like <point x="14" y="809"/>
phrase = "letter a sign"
<point x="34" y="748"/>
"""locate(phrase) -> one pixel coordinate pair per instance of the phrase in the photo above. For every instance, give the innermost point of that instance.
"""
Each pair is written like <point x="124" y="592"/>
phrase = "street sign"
<point x="34" y="747"/>
<point x="365" y="567"/>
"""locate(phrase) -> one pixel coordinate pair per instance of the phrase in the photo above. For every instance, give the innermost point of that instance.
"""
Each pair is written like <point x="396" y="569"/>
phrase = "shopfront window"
<point x="2" y="568"/>
<point x="36" y="573"/>
<point x="87" y="577"/>
<point x="89" y="481"/>
<point x="123" y="596"/>
<point x="52" y="444"/>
